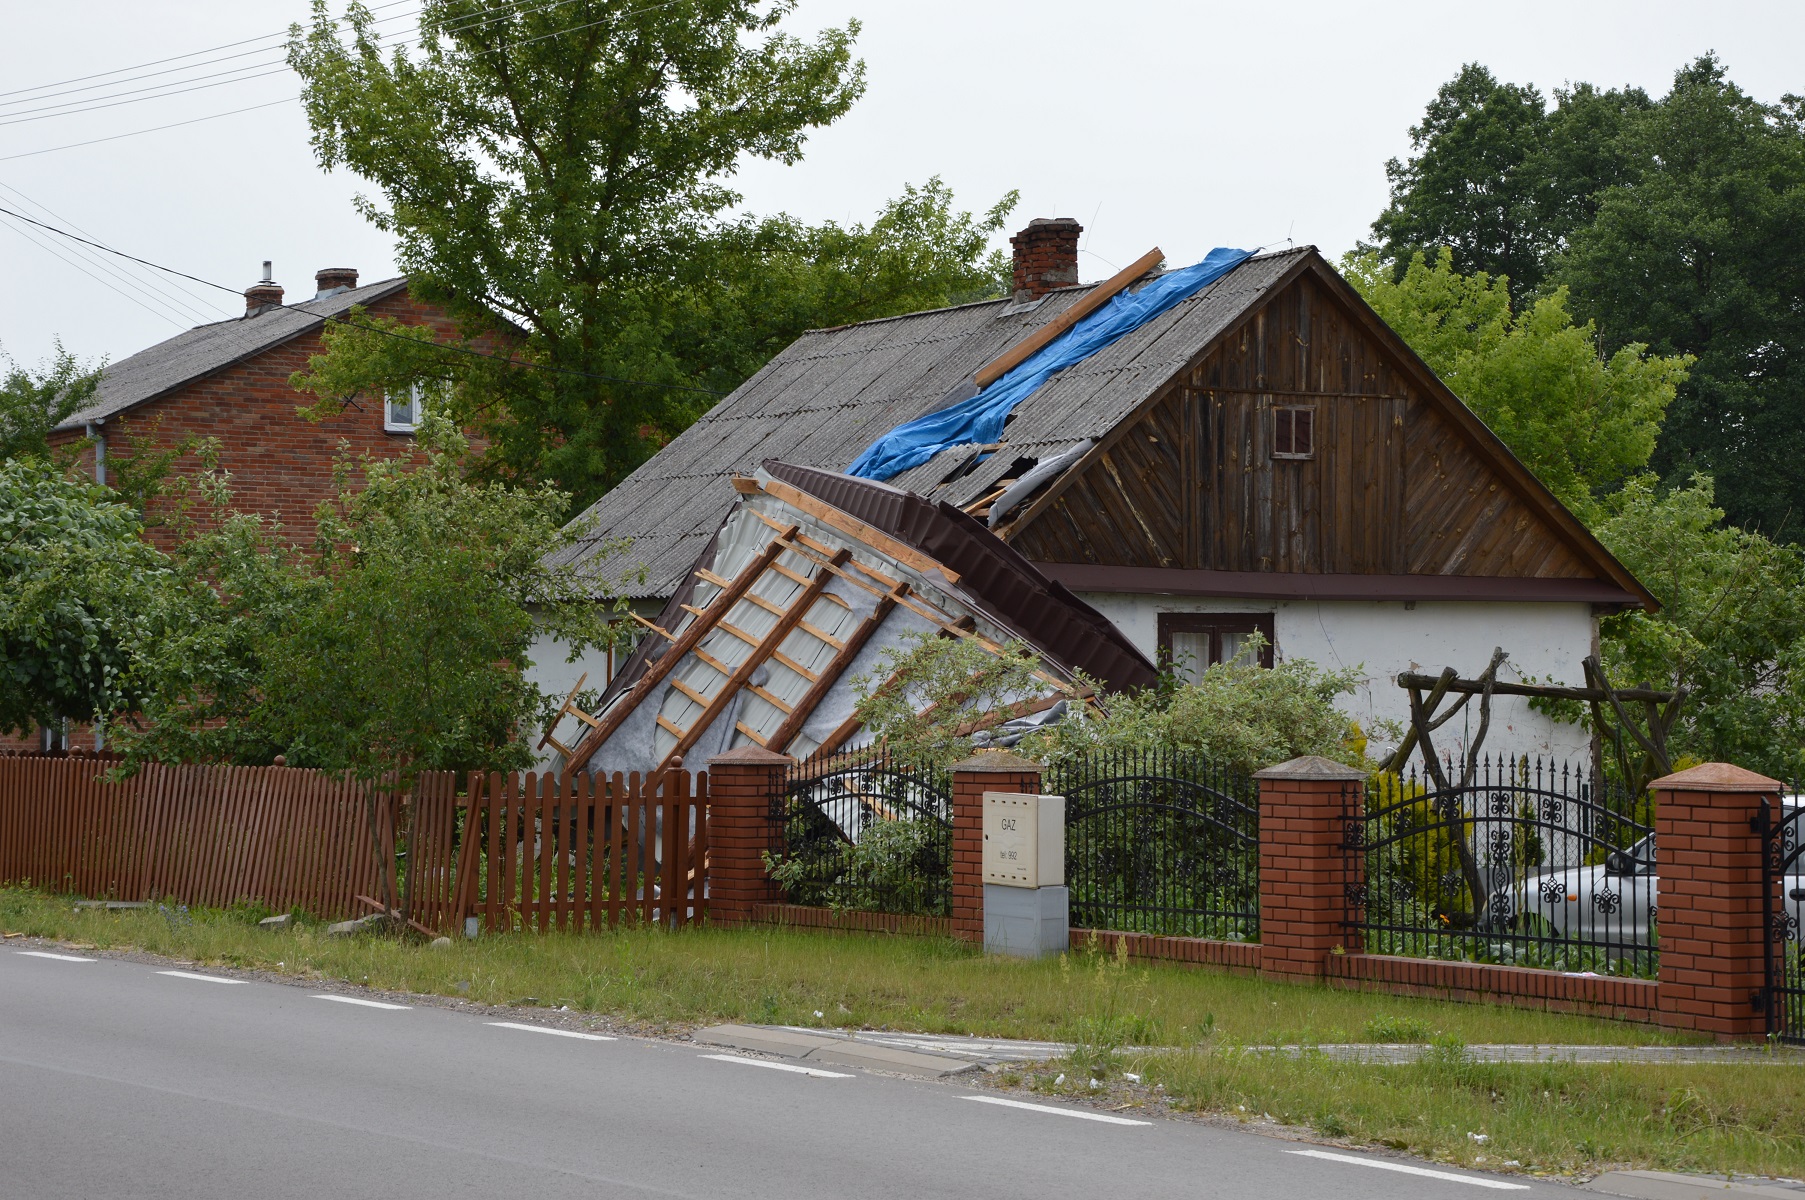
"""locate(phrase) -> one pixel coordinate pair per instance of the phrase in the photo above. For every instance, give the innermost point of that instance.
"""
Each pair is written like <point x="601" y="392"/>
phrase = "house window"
<point x="401" y="413"/>
<point x="1294" y="432"/>
<point x="1189" y="643"/>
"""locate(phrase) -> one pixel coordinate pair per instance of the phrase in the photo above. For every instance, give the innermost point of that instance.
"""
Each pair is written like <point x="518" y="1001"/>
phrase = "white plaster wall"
<point x="547" y="669"/>
<point x="1383" y="638"/>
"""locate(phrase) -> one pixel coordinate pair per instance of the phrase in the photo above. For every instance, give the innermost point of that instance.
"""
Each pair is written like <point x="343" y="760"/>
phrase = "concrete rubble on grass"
<point x="347" y="928"/>
<point x="280" y="922"/>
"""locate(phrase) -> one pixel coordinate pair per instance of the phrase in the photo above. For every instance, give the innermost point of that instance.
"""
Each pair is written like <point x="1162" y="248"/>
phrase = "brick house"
<point x="229" y="380"/>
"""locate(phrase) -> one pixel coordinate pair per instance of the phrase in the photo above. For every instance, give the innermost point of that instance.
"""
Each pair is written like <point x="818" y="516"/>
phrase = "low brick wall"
<point x="1518" y="987"/>
<point x="802" y="916"/>
<point x="1242" y="958"/>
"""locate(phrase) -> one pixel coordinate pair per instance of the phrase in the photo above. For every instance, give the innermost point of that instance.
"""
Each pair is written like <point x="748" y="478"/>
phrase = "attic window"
<point x="401" y="413"/>
<point x="1294" y="433"/>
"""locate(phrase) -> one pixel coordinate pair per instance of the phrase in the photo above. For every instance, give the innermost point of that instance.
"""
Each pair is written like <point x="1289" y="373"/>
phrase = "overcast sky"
<point x="1184" y="125"/>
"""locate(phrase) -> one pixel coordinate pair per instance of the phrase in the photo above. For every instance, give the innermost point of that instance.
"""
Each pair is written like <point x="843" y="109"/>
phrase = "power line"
<point x="153" y="129"/>
<point x="437" y="345"/>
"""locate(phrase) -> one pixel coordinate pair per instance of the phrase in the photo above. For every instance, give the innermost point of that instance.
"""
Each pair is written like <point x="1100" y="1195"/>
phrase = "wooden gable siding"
<point x="1394" y="487"/>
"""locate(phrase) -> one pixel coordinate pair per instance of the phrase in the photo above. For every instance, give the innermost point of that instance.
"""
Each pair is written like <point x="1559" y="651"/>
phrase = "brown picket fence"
<point x="548" y="853"/>
<point x="581" y="853"/>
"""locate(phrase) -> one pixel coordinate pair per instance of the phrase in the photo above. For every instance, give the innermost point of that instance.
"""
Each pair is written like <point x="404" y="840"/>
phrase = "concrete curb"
<point x="1663" y="1185"/>
<point x="838" y="1050"/>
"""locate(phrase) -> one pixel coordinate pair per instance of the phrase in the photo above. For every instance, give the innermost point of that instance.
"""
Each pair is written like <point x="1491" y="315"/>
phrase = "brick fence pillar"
<point x="990" y="771"/>
<point x="740" y="786"/>
<point x="1305" y="868"/>
<point x="1710" y="916"/>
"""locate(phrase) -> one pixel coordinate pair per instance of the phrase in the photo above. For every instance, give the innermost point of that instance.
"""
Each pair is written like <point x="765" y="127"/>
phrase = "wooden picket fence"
<point x="581" y="853"/>
<point x="546" y="853"/>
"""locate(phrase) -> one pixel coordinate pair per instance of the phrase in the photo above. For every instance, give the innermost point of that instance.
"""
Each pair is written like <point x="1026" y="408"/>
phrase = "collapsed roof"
<point x="807" y="582"/>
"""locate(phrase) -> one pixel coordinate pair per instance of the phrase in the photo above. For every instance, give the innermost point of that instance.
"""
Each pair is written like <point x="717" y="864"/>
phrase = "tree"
<point x="1583" y="424"/>
<point x="1731" y="629"/>
<point x="397" y="645"/>
<point x="1701" y="251"/>
<point x="563" y="169"/>
<point x="77" y="583"/>
<point x="1500" y="180"/>
<point x="32" y="403"/>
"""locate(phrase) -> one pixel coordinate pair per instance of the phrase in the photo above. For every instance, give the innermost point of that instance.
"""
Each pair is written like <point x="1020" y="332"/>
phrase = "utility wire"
<point x="437" y="345"/>
<point x="153" y="129"/>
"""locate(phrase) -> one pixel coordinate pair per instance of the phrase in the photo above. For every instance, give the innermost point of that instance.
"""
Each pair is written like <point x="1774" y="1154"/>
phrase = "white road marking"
<point x="587" y="1037"/>
<point x="817" y="1072"/>
<point x="202" y="978"/>
<point x="365" y="1003"/>
<point x="1407" y="1169"/>
<point x="58" y="957"/>
<point x="1060" y="1112"/>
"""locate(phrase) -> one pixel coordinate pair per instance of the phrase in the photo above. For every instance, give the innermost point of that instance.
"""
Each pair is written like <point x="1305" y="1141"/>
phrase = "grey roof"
<point x="827" y="396"/>
<point x="206" y="349"/>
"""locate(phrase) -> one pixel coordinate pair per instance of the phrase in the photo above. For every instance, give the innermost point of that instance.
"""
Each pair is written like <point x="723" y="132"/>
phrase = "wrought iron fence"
<point x="862" y="831"/>
<point x="1531" y="864"/>
<point x="1783" y="867"/>
<point x="1161" y="842"/>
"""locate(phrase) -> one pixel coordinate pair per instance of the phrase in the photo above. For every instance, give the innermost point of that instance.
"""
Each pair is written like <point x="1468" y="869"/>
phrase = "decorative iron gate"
<point x="1527" y="864"/>
<point x="1161" y="842"/>
<point x="863" y="831"/>
<point x="1783" y="878"/>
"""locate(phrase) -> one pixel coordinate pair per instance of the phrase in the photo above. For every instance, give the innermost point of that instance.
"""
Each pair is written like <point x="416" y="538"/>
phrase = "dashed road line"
<point x="817" y="1072"/>
<point x="58" y="957"/>
<point x="565" y="1033"/>
<point x="1059" y="1112"/>
<point x="202" y="978"/>
<point x="1407" y="1169"/>
<point x="364" y="1003"/>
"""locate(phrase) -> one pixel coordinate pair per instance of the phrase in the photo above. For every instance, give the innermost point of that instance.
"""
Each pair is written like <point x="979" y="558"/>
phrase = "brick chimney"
<point x="333" y="280"/>
<point x="1046" y="256"/>
<point x="266" y="293"/>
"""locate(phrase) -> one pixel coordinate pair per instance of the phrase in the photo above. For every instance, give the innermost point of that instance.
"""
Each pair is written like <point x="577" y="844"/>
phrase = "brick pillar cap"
<point x="999" y="761"/>
<point x="752" y="753"/>
<point x="1310" y="766"/>
<point x="1717" y="777"/>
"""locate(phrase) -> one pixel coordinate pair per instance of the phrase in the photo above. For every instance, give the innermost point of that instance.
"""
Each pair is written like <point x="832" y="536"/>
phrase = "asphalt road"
<point x="123" y="1079"/>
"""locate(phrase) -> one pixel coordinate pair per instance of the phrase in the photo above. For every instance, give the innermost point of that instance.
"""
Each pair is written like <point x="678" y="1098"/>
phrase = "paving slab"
<point x="1663" y="1185"/>
<point x="841" y="1048"/>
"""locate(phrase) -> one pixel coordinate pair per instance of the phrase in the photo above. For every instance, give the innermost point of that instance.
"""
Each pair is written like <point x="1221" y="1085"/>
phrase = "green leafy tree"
<point x="1701" y="251"/>
<point x="1584" y="424"/>
<point x="928" y="695"/>
<point x="1731" y="629"/>
<point x="1499" y="179"/>
<point x="397" y="645"/>
<point x="77" y="587"/>
<point x="562" y="169"/>
<point x="32" y="403"/>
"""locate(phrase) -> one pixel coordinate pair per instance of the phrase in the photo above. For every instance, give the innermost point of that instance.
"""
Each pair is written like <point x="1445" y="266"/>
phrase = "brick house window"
<point x="1294" y="433"/>
<point x="401" y="414"/>
<point x="1191" y="642"/>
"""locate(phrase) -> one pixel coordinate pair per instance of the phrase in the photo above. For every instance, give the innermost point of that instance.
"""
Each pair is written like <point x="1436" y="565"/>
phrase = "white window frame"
<point x="415" y="397"/>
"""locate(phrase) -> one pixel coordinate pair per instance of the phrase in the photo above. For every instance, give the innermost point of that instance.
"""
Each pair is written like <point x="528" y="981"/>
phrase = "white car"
<point x="1615" y="903"/>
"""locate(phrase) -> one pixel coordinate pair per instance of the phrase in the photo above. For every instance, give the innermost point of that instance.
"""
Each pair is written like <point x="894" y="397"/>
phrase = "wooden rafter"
<point x="685" y="642"/>
<point x="824" y="682"/>
<point x="568" y="708"/>
<point x="1019" y="353"/>
<point x="762" y="649"/>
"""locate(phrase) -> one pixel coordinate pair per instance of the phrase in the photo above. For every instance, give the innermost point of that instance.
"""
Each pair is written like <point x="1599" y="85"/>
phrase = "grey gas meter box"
<point x="1027" y="908"/>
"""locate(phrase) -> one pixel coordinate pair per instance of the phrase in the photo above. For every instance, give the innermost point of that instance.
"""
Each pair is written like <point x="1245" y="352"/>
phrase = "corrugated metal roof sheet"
<point x="201" y="351"/>
<point x="827" y="396"/>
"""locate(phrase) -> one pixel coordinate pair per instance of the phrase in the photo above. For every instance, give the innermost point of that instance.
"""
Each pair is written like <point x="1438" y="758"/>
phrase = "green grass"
<point x="778" y="976"/>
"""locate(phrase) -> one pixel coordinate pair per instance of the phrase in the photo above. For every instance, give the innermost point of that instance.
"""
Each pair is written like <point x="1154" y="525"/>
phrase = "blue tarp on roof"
<point x="980" y="419"/>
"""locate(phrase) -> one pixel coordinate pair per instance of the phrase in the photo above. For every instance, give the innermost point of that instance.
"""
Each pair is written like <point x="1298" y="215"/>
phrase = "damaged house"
<point x="1238" y="448"/>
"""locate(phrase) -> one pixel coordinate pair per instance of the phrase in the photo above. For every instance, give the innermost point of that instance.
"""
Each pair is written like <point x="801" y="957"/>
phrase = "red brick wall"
<point x="988" y="772"/>
<point x="281" y="464"/>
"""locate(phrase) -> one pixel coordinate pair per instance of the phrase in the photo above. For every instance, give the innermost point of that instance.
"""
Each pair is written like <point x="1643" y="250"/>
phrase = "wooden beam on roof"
<point x="850" y="525"/>
<point x="824" y="682"/>
<point x="682" y="645"/>
<point x="761" y="650"/>
<point x="1096" y="298"/>
<point x="568" y="706"/>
